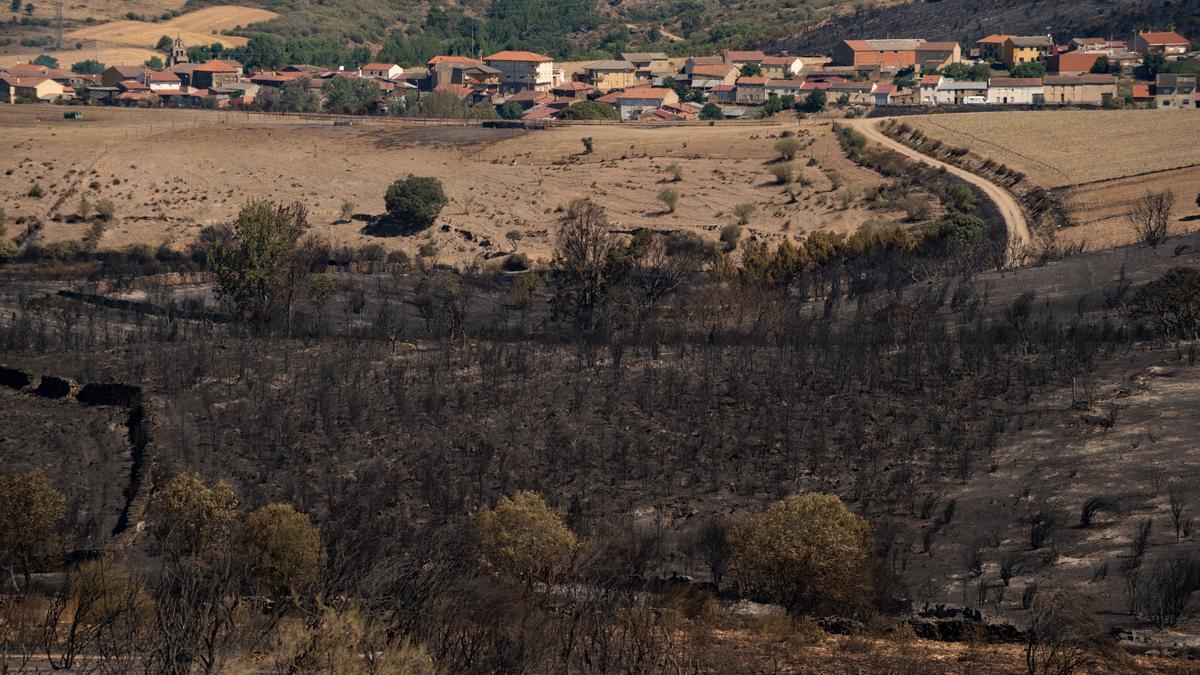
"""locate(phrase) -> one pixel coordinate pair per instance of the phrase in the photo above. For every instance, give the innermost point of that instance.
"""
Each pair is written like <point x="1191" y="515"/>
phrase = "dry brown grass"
<point x="1095" y="161"/>
<point x="181" y="170"/>
<point x="199" y="27"/>
<point x="1058" y="148"/>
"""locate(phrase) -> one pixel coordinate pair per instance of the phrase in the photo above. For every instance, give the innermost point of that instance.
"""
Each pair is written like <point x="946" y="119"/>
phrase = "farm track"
<point x="1014" y="217"/>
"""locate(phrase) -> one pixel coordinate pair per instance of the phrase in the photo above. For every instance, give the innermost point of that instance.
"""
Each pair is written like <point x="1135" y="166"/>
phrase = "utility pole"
<point x="58" y="23"/>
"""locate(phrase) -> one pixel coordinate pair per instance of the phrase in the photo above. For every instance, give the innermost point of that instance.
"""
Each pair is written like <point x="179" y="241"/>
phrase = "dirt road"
<point x="1010" y="210"/>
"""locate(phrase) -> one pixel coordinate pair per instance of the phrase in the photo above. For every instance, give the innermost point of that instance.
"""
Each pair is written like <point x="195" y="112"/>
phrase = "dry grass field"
<point x="107" y="10"/>
<point x="1096" y="161"/>
<point x="172" y="172"/>
<point x="199" y="27"/>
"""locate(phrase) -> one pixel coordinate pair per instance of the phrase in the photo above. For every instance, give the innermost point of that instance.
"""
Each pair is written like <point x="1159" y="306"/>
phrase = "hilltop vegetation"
<point x="579" y="29"/>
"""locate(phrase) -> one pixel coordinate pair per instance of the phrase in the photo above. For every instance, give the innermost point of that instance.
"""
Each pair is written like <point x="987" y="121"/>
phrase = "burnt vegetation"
<point x="461" y="462"/>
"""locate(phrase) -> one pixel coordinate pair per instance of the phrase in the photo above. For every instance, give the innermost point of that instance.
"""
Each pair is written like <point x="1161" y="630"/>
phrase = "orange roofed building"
<point x="524" y="70"/>
<point x="881" y="53"/>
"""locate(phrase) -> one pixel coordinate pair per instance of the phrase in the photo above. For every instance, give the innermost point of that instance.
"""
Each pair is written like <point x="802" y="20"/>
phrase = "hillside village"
<point x="998" y="70"/>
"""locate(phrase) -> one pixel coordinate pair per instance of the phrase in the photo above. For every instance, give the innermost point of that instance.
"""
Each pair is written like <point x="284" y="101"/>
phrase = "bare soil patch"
<point x="170" y="173"/>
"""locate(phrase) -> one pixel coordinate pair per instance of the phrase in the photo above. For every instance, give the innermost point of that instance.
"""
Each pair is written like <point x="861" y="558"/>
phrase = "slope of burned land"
<point x="969" y="20"/>
<point x="170" y="173"/>
<point x="955" y="415"/>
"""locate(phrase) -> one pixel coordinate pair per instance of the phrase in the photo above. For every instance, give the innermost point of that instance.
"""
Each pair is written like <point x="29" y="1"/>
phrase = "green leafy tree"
<point x="295" y="96"/>
<point x="808" y="552"/>
<point x="252" y="260"/>
<point x="711" y="111"/>
<point x="165" y="43"/>
<point x="350" y="95"/>
<point x="32" y="509"/>
<point x="1029" y="69"/>
<point x="280" y="549"/>
<point x="87" y="67"/>
<point x="46" y="60"/>
<point x="15" y="6"/>
<point x="751" y="70"/>
<point x="415" y="202"/>
<point x="522" y="539"/>
<point x="815" y="102"/>
<point x="589" y="110"/>
<point x="1102" y="66"/>
<point x="510" y="110"/>
<point x="154" y="63"/>
<point x="787" y="148"/>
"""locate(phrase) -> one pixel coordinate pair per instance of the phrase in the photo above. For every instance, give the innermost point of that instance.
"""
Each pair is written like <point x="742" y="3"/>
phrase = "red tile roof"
<point x="1163" y="38"/>
<point x="996" y="39"/>
<point x="712" y="71"/>
<point x="443" y="58"/>
<point x="751" y="81"/>
<point x="529" y="57"/>
<point x="755" y="55"/>
<point x="1142" y="91"/>
<point x="574" y="86"/>
<point x="937" y="46"/>
<point x="931" y="79"/>
<point x="379" y="66"/>
<point x="724" y="87"/>
<point x="461" y="90"/>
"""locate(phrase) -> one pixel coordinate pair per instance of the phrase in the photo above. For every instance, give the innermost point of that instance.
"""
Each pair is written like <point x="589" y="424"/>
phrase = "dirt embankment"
<point x="138" y="422"/>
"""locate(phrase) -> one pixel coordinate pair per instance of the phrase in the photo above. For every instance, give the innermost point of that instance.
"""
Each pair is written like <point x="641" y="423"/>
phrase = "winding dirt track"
<point x="1010" y="209"/>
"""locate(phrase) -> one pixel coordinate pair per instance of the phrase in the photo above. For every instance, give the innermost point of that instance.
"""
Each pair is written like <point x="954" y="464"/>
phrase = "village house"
<point x="608" y="75"/>
<point x="573" y="90"/>
<point x="529" y="98"/>
<point x="383" y="71"/>
<point x="214" y="74"/>
<point x="631" y="103"/>
<point x="724" y="93"/>
<point x="13" y="88"/>
<point x="690" y="65"/>
<point x="887" y="54"/>
<point x="1170" y="44"/>
<point x="956" y="92"/>
<point x="991" y="48"/>
<point x="934" y="56"/>
<point x="469" y="73"/>
<point x="780" y="87"/>
<point x="743" y="58"/>
<point x="1073" y="63"/>
<point x="1079" y="89"/>
<point x="114" y="75"/>
<point x="1016" y="91"/>
<point x="884" y="93"/>
<point x="859" y="93"/>
<point x="524" y="70"/>
<point x="1096" y="44"/>
<point x="160" y="80"/>
<point x="1142" y="94"/>
<point x="1020" y="49"/>
<point x="707" y="77"/>
<point x="751" y="90"/>
<point x="928" y="87"/>
<point x="648" y="65"/>
<point x="1175" y="91"/>
<point x="781" y="67"/>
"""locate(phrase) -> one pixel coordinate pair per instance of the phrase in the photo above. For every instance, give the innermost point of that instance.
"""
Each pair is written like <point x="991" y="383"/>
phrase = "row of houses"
<point x="636" y="83"/>
<point x="1010" y="50"/>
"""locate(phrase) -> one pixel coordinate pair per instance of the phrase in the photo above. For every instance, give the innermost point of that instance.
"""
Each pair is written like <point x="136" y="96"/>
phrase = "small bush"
<point x="743" y="212"/>
<point x="415" y="202"/>
<point x="669" y="197"/>
<point x="36" y="191"/>
<point x="782" y="173"/>
<point x="787" y="148"/>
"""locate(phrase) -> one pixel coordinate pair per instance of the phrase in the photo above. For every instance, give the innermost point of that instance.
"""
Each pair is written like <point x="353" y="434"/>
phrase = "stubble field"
<point x="1096" y="162"/>
<point x="170" y="173"/>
